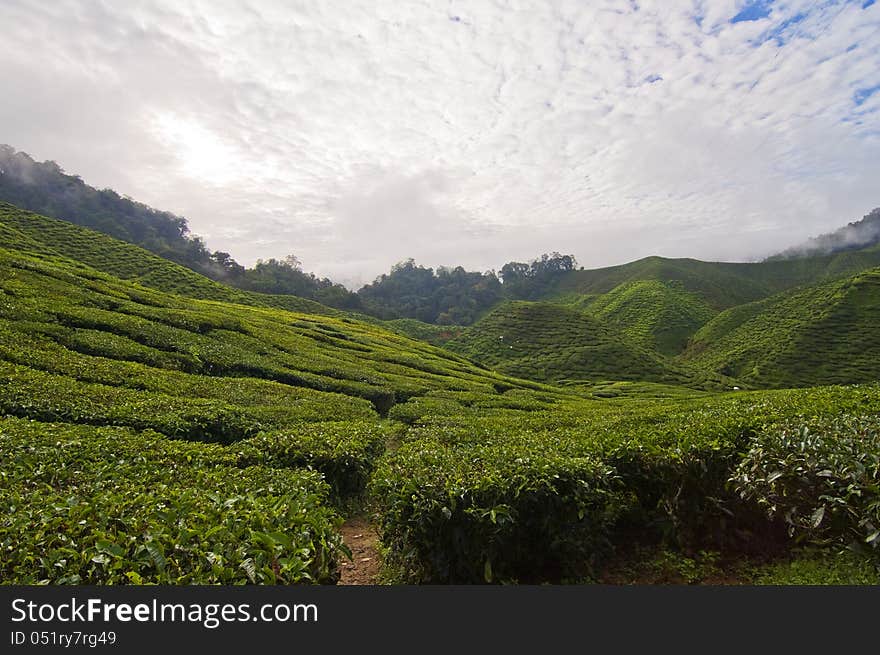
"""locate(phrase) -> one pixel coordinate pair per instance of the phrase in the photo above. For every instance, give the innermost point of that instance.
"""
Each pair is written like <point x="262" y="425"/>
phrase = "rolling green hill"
<point x="658" y="315"/>
<point x="720" y="284"/>
<point x="550" y="342"/>
<point x="825" y="334"/>
<point x="82" y="324"/>
<point x="27" y="232"/>
<point x="666" y="330"/>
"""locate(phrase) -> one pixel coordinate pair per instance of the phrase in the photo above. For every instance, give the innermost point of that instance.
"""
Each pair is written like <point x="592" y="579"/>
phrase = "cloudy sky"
<point x="357" y="134"/>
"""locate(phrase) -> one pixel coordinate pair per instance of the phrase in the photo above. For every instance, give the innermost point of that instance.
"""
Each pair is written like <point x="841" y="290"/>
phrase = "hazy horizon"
<point x="460" y="133"/>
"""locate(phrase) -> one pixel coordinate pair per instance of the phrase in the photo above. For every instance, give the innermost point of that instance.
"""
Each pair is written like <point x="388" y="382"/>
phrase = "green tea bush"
<point x="822" y="477"/>
<point x="502" y="512"/>
<point x="94" y="314"/>
<point x="668" y="461"/>
<point x="820" y="567"/>
<point x="345" y="452"/>
<point x="25" y="392"/>
<point x="85" y="505"/>
<point x="271" y="403"/>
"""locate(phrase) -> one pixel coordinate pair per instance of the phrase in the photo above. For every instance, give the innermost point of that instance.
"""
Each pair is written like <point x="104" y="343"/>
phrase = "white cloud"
<point x="358" y="134"/>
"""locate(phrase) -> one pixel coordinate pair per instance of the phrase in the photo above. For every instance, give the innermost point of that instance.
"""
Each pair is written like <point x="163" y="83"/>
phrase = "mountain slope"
<point x="25" y="231"/>
<point x="68" y="310"/>
<point x="826" y="334"/>
<point x="656" y="315"/>
<point x="46" y="189"/>
<point x="853" y="236"/>
<point x="549" y="342"/>
<point x="721" y="285"/>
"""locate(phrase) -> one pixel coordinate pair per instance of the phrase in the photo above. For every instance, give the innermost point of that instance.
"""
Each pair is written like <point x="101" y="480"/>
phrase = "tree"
<point x="532" y="280"/>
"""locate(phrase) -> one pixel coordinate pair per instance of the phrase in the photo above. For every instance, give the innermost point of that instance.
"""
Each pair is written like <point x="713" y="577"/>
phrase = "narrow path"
<point x="363" y="541"/>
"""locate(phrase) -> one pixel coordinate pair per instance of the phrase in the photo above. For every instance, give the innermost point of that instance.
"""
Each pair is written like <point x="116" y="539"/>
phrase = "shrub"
<point x="344" y="452"/>
<point x="822" y="477"/>
<point x="85" y="505"/>
<point x="512" y="511"/>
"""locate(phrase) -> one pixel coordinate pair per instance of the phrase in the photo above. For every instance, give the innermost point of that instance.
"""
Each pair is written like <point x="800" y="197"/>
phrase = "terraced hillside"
<point x="666" y="325"/>
<point x="550" y="342"/>
<point x="657" y="315"/>
<point x="245" y="420"/>
<point x="67" y="315"/>
<point x="150" y="437"/>
<point x="720" y="284"/>
<point x="825" y="334"/>
<point x="27" y="232"/>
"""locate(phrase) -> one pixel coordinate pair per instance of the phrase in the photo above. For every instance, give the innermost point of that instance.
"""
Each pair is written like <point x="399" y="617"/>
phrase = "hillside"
<point x="657" y="315"/>
<point x="31" y="233"/>
<point x="549" y="342"/>
<point x="657" y="331"/>
<point x="826" y="334"/>
<point x="46" y="189"/>
<point x="720" y="285"/>
<point x="853" y="236"/>
<point x="71" y="327"/>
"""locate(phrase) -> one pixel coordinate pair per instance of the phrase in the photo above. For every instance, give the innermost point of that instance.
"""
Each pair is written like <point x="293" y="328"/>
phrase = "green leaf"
<point x="156" y="555"/>
<point x="264" y="539"/>
<point x="109" y="547"/>
<point x="817" y="517"/>
<point x="250" y="569"/>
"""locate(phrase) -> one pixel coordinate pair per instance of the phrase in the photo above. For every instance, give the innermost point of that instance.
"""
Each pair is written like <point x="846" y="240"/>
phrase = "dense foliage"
<point x="345" y="452"/>
<point x="112" y="506"/>
<point x="822" y="477"/>
<point x="185" y="437"/>
<point x="445" y="296"/>
<point x="453" y="296"/>
<point x="513" y="495"/>
<point x="532" y="280"/>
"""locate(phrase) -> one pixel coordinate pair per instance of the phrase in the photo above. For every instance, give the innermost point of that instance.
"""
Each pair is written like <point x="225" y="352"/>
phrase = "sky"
<point x="358" y="134"/>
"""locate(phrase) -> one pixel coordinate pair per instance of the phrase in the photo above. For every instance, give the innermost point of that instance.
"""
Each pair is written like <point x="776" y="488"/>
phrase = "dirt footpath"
<point x="363" y="541"/>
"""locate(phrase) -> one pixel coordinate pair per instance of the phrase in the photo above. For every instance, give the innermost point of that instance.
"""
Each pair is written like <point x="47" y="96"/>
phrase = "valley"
<point x="162" y="427"/>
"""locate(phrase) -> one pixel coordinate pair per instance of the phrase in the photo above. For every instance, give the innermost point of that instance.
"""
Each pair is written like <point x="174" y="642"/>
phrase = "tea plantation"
<point x="165" y="429"/>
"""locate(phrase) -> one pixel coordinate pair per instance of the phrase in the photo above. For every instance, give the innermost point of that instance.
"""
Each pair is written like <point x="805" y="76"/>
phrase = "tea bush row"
<point x="663" y="468"/>
<point x="822" y="477"/>
<point x="84" y="505"/>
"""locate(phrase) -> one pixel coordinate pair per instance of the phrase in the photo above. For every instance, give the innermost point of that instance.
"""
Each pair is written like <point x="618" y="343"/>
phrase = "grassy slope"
<point x="721" y="285"/>
<point x="93" y="314"/>
<point x="31" y="233"/>
<point x="654" y="314"/>
<point x="825" y="334"/>
<point x="75" y="314"/>
<point x="636" y="322"/>
<point x="434" y="334"/>
<point x="546" y="341"/>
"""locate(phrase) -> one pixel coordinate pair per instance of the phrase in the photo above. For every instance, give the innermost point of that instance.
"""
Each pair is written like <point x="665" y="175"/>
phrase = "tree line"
<point x="444" y="296"/>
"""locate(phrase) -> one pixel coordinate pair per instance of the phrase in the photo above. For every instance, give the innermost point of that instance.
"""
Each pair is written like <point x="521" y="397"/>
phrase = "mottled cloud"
<point x="357" y="134"/>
